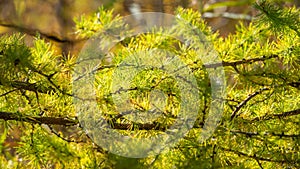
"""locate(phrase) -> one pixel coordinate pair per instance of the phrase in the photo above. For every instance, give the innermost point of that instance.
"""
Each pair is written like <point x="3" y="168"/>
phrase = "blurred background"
<point x="53" y="19"/>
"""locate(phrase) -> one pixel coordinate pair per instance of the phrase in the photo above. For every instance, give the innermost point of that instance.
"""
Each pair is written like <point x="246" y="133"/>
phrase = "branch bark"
<point x="72" y="122"/>
<point x="37" y="120"/>
<point x="255" y="157"/>
<point x="240" y="62"/>
<point x="69" y="122"/>
<point x="34" y="32"/>
<point x="277" y="116"/>
<point x="243" y="103"/>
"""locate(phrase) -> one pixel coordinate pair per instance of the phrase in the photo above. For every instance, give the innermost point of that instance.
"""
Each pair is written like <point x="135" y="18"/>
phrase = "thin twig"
<point x="227" y="15"/>
<point x="6" y="93"/>
<point x="244" y="102"/>
<point x="63" y="138"/>
<point x="255" y="157"/>
<point x="252" y="134"/>
<point x="239" y="62"/>
<point x="259" y="164"/>
<point x="277" y="116"/>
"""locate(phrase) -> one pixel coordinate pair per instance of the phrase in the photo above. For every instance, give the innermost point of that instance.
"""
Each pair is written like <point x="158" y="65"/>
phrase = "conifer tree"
<point x="259" y="127"/>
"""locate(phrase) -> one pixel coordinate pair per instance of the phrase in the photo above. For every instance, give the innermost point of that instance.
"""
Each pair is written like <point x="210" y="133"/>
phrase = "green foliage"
<point x="102" y="21"/>
<point x="260" y="124"/>
<point x="15" y="57"/>
<point x="278" y="20"/>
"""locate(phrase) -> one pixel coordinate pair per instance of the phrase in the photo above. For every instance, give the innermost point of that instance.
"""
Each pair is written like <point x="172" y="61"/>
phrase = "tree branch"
<point x="6" y="93"/>
<point x="244" y="102"/>
<point x="251" y="134"/>
<point x="28" y="86"/>
<point x="255" y="157"/>
<point x="31" y="87"/>
<point x="295" y="84"/>
<point x="227" y="15"/>
<point x="277" y="116"/>
<point x="34" y="32"/>
<point x="239" y="62"/>
<point x="69" y="122"/>
<point x="37" y="120"/>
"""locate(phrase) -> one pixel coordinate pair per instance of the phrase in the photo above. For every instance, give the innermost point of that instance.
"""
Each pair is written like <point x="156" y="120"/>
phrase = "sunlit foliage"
<point x="260" y="123"/>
